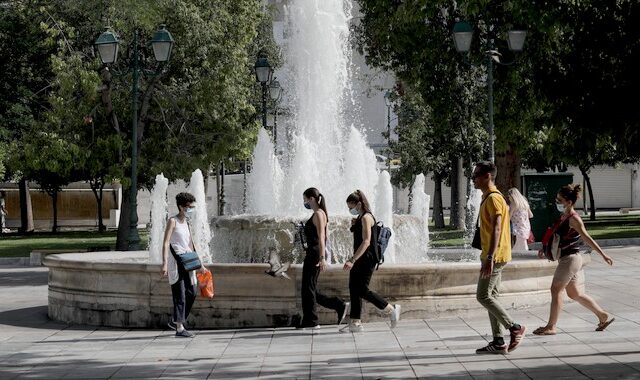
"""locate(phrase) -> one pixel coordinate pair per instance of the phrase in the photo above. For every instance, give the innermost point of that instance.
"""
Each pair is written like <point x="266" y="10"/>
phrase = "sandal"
<point x="543" y="330"/>
<point x="604" y="325"/>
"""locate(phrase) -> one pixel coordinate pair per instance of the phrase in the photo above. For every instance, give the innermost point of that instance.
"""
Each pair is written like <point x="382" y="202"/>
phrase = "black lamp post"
<point x="107" y="45"/>
<point x="462" y="37"/>
<point x="263" y="75"/>
<point x="275" y="92"/>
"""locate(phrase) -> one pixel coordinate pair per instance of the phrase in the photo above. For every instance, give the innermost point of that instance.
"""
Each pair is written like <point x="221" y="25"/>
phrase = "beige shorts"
<point x="568" y="269"/>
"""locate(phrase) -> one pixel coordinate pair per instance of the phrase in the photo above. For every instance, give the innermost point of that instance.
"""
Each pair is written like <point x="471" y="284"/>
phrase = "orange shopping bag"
<point x="205" y="283"/>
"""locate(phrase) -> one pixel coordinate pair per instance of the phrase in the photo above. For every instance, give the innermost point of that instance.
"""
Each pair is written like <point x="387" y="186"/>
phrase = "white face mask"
<point x="188" y="212"/>
<point x="354" y="211"/>
<point x="560" y="207"/>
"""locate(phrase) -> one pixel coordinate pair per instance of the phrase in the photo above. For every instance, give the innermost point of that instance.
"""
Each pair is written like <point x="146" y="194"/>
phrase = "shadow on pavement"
<point x="24" y="278"/>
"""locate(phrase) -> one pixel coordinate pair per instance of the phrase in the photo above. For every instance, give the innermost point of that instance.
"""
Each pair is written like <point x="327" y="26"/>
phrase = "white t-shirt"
<point x="180" y="240"/>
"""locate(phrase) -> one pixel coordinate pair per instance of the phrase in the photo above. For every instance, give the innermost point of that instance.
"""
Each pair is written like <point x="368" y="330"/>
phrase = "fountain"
<point x="326" y="149"/>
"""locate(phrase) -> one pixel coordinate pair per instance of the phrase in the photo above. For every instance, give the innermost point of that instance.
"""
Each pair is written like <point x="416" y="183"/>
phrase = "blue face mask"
<point x="189" y="212"/>
<point x="307" y="206"/>
<point x="354" y="211"/>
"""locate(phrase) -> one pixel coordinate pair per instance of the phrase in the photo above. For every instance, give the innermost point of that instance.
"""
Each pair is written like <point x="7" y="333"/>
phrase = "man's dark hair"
<point x="485" y="167"/>
<point x="183" y="199"/>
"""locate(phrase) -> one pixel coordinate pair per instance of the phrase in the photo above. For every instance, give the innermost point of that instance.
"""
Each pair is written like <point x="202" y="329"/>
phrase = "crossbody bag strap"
<point x="481" y="203"/>
<point x="191" y="237"/>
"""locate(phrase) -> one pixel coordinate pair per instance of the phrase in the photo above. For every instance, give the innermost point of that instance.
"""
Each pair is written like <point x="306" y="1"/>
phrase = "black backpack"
<point x="383" y="234"/>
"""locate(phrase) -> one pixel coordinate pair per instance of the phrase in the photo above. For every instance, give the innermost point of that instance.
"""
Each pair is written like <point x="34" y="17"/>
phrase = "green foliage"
<point x="25" y="73"/>
<point x="442" y="99"/>
<point x="197" y="111"/>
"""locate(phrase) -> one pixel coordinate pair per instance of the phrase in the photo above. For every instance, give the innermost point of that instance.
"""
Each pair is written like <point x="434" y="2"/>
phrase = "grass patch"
<point x="604" y="227"/>
<point x="22" y="245"/>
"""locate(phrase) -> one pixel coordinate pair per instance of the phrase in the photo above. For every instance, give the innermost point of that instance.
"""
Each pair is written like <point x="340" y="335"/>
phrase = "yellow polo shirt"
<point x="493" y="206"/>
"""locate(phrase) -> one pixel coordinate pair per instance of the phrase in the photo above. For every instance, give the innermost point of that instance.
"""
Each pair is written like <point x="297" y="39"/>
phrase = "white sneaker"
<point x="352" y="327"/>
<point x="395" y="315"/>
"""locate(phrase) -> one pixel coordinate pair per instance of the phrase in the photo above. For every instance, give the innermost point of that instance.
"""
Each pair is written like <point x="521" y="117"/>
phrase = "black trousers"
<point x="310" y="293"/>
<point x="359" y="278"/>
<point x="183" y="293"/>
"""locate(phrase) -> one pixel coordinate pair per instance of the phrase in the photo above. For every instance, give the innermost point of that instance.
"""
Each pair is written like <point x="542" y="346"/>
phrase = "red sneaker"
<point x="516" y="337"/>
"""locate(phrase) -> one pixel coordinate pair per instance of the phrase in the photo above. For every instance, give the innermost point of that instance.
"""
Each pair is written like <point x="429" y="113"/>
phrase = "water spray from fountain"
<point x="159" y="209"/>
<point x="200" y="230"/>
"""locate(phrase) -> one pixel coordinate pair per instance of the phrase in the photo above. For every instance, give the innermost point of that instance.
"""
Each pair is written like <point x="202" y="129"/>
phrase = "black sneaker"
<point x="342" y="313"/>
<point x="493" y="348"/>
<point x="184" y="334"/>
<point x="172" y="325"/>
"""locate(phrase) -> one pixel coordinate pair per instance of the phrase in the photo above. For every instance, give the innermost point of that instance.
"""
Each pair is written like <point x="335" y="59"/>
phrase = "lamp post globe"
<point x="515" y="39"/>
<point x="107" y="45"/>
<point x="462" y="36"/>
<point x="263" y="70"/>
<point x="275" y="90"/>
<point x="162" y="44"/>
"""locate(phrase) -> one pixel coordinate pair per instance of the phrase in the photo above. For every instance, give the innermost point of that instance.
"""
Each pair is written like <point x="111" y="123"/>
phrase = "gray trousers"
<point x="487" y="294"/>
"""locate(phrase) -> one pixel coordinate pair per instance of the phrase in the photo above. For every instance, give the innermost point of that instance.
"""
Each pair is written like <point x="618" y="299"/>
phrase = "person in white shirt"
<point x="177" y="236"/>
<point x="520" y="213"/>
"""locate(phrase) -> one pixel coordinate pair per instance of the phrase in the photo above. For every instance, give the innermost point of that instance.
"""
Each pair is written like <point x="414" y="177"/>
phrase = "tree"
<point x="49" y="159"/>
<point x="198" y="110"/>
<point x="25" y="75"/>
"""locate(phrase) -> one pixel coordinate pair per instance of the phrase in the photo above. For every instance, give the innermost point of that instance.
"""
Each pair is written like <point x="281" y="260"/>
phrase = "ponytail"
<point x="358" y="196"/>
<point x="312" y="192"/>
<point x="571" y="192"/>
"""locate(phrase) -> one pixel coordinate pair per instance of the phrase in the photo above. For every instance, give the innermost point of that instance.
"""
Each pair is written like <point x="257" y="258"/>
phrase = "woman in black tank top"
<point x="571" y="229"/>
<point x="315" y="231"/>
<point x="363" y="263"/>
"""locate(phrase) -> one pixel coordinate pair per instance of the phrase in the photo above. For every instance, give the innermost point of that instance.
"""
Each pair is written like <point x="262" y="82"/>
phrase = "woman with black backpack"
<point x="362" y="264"/>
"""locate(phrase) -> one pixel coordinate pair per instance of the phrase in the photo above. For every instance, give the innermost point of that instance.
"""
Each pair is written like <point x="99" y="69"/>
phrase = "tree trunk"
<point x="508" y="164"/>
<point x="592" y="202"/>
<point x="457" y="195"/>
<point x="26" y="212"/>
<point x="221" y="202"/>
<point x="122" y="240"/>
<point x="54" y="203"/>
<point x="438" y="215"/>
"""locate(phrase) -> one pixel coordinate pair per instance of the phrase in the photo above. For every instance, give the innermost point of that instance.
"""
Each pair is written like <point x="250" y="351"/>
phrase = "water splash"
<point x="384" y="211"/>
<point x="159" y="211"/>
<point x="420" y="203"/>
<point x="326" y="148"/>
<point x="264" y="180"/>
<point x="200" y="230"/>
<point x="471" y="216"/>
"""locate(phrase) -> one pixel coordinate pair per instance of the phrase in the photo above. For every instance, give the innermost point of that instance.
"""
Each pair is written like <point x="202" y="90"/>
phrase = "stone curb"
<point x="15" y="261"/>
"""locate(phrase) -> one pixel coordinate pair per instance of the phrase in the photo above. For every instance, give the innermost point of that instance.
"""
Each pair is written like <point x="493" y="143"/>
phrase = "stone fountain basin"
<point x="122" y="289"/>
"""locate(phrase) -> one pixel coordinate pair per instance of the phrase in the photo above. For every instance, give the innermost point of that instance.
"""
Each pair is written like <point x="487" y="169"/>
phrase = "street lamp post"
<point x="275" y="91"/>
<point x="462" y="37"/>
<point x="263" y="75"/>
<point x="388" y="103"/>
<point x="107" y="45"/>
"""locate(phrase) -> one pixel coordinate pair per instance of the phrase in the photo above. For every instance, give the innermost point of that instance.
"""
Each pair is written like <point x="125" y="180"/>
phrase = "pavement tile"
<point x="444" y="348"/>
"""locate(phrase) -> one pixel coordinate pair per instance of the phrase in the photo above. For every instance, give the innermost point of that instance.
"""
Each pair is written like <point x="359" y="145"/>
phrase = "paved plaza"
<point x="31" y="346"/>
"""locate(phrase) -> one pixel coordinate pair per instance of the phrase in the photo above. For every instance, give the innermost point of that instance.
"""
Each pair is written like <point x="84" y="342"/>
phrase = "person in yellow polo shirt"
<point x="495" y="236"/>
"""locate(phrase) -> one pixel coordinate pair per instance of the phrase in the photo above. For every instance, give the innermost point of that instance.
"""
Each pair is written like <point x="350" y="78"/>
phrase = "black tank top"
<point x="370" y="253"/>
<point x="311" y="233"/>
<point x="569" y="239"/>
